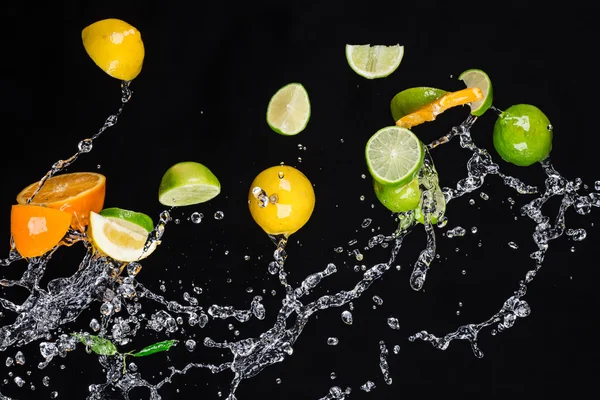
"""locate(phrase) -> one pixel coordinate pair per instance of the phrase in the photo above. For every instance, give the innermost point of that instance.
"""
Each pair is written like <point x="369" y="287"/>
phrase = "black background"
<point x="208" y="75"/>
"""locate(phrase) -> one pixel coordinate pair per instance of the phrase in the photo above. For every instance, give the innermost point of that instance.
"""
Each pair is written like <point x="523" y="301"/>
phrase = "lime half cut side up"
<point x="288" y="111"/>
<point x="187" y="183"/>
<point x="394" y="155"/>
<point x="373" y="62"/>
<point x="476" y="78"/>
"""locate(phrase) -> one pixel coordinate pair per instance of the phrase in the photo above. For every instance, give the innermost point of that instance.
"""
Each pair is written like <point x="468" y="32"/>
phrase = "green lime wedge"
<point x="373" y="62"/>
<point x="140" y="219"/>
<point x="479" y="79"/>
<point x="410" y="100"/>
<point x="288" y="111"/>
<point x="394" y="155"/>
<point x="438" y="207"/>
<point x="400" y="198"/>
<point x="187" y="183"/>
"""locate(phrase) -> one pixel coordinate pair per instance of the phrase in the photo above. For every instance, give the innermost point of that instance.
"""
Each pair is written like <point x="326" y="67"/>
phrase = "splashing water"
<point x="115" y="285"/>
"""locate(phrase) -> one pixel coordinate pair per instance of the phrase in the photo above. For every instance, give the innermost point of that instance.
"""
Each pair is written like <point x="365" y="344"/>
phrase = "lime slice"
<point x="479" y="79"/>
<point x="289" y="110"/>
<point x="119" y="239"/>
<point x="138" y="218"/>
<point x="439" y="203"/>
<point x="399" y="198"/>
<point x="394" y="155"/>
<point x="374" y="61"/>
<point x="410" y="100"/>
<point x="188" y="183"/>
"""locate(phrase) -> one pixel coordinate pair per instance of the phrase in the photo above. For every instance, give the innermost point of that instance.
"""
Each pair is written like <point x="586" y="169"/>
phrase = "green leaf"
<point x="98" y="345"/>
<point x="155" y="348"/>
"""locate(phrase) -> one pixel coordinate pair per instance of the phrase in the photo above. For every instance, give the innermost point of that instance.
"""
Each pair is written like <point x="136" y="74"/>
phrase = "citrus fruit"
<point x="394" y="155"/>
<point x="115" y="46"/>
<point x="432" y="110"/>
<point x="373" y="62"/>
<point x="399" y="198"/>
<point x="77" y="193"/>
<point x="37" y="229"/>
<point x="523" y="135"/>
<point x="119" y="239"/>
<point x="140" y="219"/>
<point x="281" y="200"/>
<point x="479" y="79"/>
<point x="288" y="111"/>
<point x="187" y="183"/>
<point x="410" y="100"/>
<point x="439" y="203"/>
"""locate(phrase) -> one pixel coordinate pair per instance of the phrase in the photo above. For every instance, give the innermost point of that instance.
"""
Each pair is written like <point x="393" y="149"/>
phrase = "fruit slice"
<point x="119" y="239"/>
<point x="432" y="110"/>
<point x="394" y="155"/>
<point x="400" y="198"/>
<point x="281" y="200"/>
<point x="439" y="203"/>
<point x="140" y="219"/>
<point x="410" y="100"/>
<point x="188" y="183"/>
<point x="374" y="62"/>
<point x="288" y="111"/>
<point x="77" y="193"/>
<point x="479" y="79"/>
<point x="36" y="229"/>
<point x="115" y="46"/>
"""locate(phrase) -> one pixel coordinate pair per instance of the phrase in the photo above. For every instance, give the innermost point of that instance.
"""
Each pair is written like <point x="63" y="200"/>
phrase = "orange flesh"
<point x="36" y="229"/>
<point x="432" y="110"/>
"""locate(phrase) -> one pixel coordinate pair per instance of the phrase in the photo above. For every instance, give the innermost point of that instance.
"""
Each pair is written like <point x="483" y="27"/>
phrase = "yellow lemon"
<point x="116" y="47"/>
<point x="281" y="200"/>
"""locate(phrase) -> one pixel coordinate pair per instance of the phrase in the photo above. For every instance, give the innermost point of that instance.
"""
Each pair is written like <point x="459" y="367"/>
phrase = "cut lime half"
<point x="140" y="219"/>
<point x="373" y="62"/>
<point x="288" y="111"/>
<point x="394" y="155"/>
<point x="187" y="183"/>
<point x="410" y="100"/>
<point x="479" y="79"/>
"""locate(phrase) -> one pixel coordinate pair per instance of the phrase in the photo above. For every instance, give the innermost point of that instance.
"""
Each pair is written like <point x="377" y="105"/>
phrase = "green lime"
<point x="188" y="183"/>
<point x="288" y="111"/>
<point x="523" y="135"/>
<point x="438" y="207"/>
<point x="394" y="155"/>
<point x="479" y="79"/>
<point x="399" y="198"/>
<point x="410" y="100"/>
<point x="374" y="61"/>
<point x="140" y="219"/>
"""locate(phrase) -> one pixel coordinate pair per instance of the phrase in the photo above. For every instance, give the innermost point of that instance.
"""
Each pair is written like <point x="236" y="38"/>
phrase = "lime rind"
<point x="140" y="219"/>
<point x="365" y="59"/>
<point x="479" y="79"/>
<point x="412" y="99"/>
<point x="188" y="195"/>
<point x="394" y="155"/>
<point x="289" y="111"/>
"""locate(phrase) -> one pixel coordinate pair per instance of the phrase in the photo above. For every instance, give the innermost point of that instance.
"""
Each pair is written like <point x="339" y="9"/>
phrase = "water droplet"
<point x="19" y="381"/>
<point x="573" y="249"/>
<point x="367" y="386"/>
<point x="362" y="198"/>
<point x="366" y="222"/>
<point x="278" y="381"/>
<point x="197" y="290"/>
<point x="219" y="215"/>
<point x="338" y="250"/>
<point x="133" y="268"/>
<point x="474" y="230"/>
<point x="132" y="367"/>
<point x="54" y="395"/>
<point x="85" y="146"/>
<point x="98" y="166"/>
<point x="364" y="176"/>
<point x="9" y="361"/>
<point x="196" y="217"/>
<point x="46" y="381"/>
<point x="347" y="317"/>
<point x="190" y="344"/>
<point x="458" y="312"/>
<point x="20" y="358"/>
<point x="597" y="185"/>
<point x="377" y="300"/>
<point x="464" y="272"/>
<point x="471" y="202"/>
<point x="299" y="159"/>
<point x="393" y="323"/>
<point x="513" y="245"/>
<point x="332" y="375"/>
<point x="550" y="127"/>
<point x="510" y="200"/>
<point x="460" y="304"/>
<point x="484" y="196"/>
<point x="332" y="341"/>
<point x="396" y="349"/>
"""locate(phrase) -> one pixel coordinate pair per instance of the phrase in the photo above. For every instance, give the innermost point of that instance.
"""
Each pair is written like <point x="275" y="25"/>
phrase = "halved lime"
<point x="119" y="239"/>
<point x="288" y="111"/>
<point x="479" y="79"/>
<point x="394" y="155"/>
<point x="374" y="61"/>
<point x="410" y="100"/>
<point x="399" y="198"/>
<point x="138" y="218"/>
<point x="188" y="183"/>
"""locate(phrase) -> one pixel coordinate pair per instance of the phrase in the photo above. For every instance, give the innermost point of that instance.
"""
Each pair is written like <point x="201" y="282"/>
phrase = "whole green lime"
<point x="399" y="198"/>
<point x="523" y="135"/>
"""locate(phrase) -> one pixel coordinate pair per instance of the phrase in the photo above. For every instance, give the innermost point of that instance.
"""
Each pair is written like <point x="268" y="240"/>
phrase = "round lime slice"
<point x="140" y="219"/>
<point x="373" y="62"/>
<point x="187" y="183"/>
<point x="410" y="100"/>
<point x="479" y="79"/>
<point x="394" y="155"/>
<point x="288" y="111"/>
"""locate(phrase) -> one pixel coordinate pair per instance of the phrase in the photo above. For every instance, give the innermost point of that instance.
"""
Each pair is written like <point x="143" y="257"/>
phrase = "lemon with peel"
<point x="115" y="46"/>
<point x="281" y="200"/>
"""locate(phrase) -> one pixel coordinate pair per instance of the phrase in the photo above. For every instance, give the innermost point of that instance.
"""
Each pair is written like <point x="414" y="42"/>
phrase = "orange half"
<point x="36" y="229"/>
<point x="77" y="193"/>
